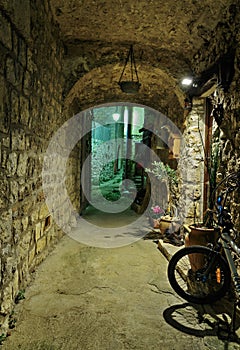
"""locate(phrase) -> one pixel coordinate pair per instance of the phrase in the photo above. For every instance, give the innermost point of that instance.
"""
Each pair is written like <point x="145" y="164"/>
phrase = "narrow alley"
<point x="119" y="124"/>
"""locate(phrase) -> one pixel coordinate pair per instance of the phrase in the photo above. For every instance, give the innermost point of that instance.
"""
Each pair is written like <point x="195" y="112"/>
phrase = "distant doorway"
<point x="115" y="138"/>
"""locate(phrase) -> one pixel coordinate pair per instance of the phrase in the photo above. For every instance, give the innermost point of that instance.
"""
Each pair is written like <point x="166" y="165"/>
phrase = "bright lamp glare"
<point x="187" y="81"/>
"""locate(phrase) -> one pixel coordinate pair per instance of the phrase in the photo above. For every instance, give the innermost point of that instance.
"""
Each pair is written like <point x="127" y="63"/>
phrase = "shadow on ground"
<point x="204" y="320"/>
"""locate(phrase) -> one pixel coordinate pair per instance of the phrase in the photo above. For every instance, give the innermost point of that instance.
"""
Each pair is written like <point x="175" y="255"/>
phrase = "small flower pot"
<point x="168" y="224"/>
<point x="154" y="223"/>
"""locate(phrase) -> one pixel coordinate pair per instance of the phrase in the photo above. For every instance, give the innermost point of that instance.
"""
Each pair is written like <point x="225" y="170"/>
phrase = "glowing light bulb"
<point x="116" y="116"/>
<point x="187" y="81"/>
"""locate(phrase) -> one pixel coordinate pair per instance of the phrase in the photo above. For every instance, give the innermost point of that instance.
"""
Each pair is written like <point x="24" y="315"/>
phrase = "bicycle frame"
<point x="233" y="182"/>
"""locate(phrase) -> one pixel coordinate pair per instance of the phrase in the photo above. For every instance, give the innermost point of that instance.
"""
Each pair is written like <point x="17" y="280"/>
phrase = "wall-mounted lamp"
<point x="187" y="81"/>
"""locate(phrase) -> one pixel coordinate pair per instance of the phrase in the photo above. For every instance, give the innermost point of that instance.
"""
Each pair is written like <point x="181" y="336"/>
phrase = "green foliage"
<point x="158" y="170"/>
<point x="171" y="175"/>
<point x="163" y="172"/>
<point x="12" y="321"/>
<point x="20" y="296"/>
<point x="3" y="336"/>
<point x="213" y="164"/>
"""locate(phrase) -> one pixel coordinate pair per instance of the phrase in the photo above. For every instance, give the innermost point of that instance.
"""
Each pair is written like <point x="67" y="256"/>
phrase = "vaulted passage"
<point x="78" y="146"/>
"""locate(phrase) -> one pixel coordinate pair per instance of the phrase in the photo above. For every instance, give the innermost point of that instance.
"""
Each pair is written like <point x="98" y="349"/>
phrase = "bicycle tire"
<point x="190" y="280"/>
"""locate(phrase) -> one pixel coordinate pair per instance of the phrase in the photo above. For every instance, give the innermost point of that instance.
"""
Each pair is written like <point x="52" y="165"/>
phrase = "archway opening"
<point x="120" y="129"/>
<point x="126" y="139"/>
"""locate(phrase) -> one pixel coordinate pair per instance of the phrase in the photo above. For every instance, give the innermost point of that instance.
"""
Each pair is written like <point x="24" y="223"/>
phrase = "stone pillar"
<point x="191" y="163"/>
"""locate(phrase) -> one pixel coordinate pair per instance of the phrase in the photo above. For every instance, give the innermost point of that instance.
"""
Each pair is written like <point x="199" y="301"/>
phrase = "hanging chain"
<point x="132" y="63"/>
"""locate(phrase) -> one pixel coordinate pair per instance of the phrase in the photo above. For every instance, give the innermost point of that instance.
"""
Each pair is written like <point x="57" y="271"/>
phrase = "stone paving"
<point x="84" y="297"/>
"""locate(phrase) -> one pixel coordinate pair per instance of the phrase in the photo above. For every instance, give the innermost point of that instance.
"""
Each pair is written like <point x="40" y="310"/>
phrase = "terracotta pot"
<point x="154" y="223"/>
<point x="199" y="236"/>
<point x="168" y="224"/>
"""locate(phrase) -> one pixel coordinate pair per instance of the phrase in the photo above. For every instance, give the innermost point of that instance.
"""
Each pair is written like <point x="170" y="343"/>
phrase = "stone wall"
<point x="30" y="112"/>
<point x="224" y="42"/>
<point x="230" y="141"/>
<point x="191" y="163"/>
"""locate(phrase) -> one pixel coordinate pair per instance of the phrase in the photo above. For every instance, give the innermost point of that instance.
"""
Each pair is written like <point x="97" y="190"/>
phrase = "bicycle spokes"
<point x="198" y="274"/>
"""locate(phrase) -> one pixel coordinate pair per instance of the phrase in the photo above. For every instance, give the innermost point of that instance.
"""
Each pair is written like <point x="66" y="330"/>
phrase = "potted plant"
<point x="155" y="214"/>
<point x="166" y="178"/>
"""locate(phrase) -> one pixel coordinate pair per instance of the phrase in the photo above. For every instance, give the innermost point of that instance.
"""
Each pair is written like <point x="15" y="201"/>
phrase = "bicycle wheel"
<point x="199" y="274"/>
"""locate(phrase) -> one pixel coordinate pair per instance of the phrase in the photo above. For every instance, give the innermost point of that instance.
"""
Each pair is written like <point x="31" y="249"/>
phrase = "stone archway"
<point x="99" y="86"/>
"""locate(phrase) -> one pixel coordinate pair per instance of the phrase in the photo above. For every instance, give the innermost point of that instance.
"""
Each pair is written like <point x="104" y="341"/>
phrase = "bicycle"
<point x="204" y="274"/>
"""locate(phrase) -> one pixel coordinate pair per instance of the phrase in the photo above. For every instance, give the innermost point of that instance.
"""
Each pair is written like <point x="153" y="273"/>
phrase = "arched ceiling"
<point x="166" y="35"/>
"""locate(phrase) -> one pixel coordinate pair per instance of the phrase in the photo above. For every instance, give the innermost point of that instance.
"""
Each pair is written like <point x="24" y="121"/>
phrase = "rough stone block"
<point x="38" y="231"/>
<point x="7" y="301"/>
<point x="24" y="276"/>
<point x="27" y="83"/>
<point x="18" y="140"/>
<point x="4" y="193"/>
<point x="44" y="212"/>
<point x="11" y="71"/>
<point x="22" y="164"/>
<point x="10" y="267"/>
<point x="25" y="221"/>
<point x="41" y="244"/>
<point x="6" y="226"/>
<point x="31" y="255"/>
<point x="12" y="164"/>
<point x="5" y="32"/>
<point x="4" y="107"/>
<point x="3" y="158"/>
<point x="34" y="215"/>
<point x="18" y="75"/>
<point x="17" y="225"/>
<point x="24" y="111"/>
<point x="15" y="282"/>
<point x="22" y="53"/>
<point x="21" y="250"/>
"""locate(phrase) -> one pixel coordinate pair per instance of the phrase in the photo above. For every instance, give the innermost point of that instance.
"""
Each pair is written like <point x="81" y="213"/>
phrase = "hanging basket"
<point x="130" y="87"/>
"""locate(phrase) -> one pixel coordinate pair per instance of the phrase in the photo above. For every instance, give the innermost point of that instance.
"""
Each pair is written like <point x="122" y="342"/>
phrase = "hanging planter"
<point x="132" y="85"/>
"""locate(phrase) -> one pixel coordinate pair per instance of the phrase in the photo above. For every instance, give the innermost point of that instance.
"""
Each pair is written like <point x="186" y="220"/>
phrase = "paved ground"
<point x="89" y="298"/>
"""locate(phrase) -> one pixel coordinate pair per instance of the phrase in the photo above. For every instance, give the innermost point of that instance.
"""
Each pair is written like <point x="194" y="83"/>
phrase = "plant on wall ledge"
<point x="211" y="162"/>
<point x="156" y="212"/>
<point x="163" y="172"/>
